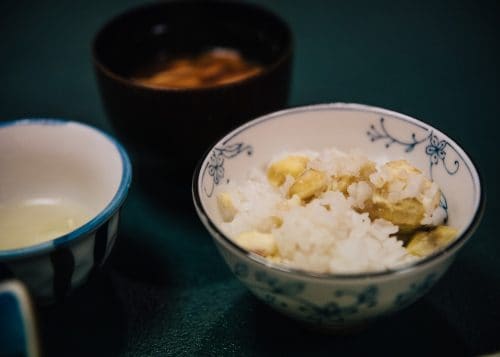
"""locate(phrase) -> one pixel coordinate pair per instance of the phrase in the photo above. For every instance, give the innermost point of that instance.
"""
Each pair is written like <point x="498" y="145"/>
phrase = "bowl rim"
<point x="259" y="260"/>
<point x="113" y="205"/>
<point x="266" y="70"/>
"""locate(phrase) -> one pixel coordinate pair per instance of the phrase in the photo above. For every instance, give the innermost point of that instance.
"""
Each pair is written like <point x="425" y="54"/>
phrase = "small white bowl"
<point x="339" y="301"/>
<point x="42" y="158"/>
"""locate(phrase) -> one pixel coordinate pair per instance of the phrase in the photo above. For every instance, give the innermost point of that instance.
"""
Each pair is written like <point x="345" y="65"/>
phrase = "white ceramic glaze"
<point x="68" y="161"/>
<point x="340" y="300"/>
<point x="42" y="158"/>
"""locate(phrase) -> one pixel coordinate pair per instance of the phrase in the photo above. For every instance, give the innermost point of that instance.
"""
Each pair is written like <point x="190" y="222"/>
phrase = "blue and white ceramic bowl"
<point x="338" y="301"/>
<point x="42" y="158"/>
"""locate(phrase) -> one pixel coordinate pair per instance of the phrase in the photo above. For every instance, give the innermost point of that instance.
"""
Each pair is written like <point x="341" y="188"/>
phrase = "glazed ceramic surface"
<point x="340" y="300"/>
<point x="54" y="158"/>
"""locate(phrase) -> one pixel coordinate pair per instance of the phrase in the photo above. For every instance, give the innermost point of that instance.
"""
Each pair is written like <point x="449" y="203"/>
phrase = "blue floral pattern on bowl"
<point x="215" y="167"/>
<point x="344" y="303"/>
<point x="435" y="149"/>
<point x="414" y="291"/>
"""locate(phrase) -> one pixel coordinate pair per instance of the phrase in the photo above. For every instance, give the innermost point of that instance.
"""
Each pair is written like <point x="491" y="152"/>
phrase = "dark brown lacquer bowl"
<point x="174" y="126"/>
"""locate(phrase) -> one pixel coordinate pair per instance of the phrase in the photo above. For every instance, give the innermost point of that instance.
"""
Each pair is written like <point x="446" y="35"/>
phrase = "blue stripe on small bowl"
<point x="13" y="339"/>
<point x="99" y="219"/>
<point x="18" y="333"/>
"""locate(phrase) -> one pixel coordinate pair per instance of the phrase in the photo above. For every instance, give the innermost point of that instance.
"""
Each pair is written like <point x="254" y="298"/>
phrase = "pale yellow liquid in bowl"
<point x="30" y="222"/>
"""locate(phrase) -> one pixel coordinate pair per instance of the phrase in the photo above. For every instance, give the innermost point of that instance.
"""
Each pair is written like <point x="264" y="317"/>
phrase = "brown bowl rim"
<point x="283" y="58"/>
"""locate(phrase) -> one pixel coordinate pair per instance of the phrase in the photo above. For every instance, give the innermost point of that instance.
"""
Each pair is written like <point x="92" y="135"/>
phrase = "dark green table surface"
<point x="165" y="290"/>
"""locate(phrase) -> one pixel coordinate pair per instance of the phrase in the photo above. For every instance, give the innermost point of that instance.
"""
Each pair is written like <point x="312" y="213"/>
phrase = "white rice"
<point x="326" y="234"/>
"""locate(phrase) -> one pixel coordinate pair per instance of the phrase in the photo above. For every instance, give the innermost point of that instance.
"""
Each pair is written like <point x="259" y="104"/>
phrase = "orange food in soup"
<point x="215" y="67"/>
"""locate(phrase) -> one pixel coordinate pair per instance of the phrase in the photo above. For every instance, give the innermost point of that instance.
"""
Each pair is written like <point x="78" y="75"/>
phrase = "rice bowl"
<point x="340" y="299"/>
